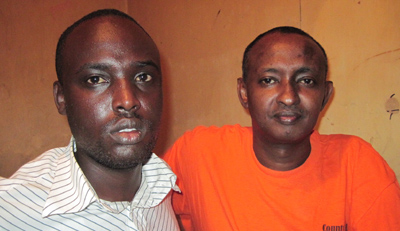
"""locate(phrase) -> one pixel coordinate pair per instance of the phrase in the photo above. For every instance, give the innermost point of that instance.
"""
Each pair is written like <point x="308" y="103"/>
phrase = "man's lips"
<point x="287" y="117"/>
<point x="127" y="132"/>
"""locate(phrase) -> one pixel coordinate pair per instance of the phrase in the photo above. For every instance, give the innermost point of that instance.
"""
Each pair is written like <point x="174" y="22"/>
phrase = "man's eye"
<point x="95" y="80"/>
<point x="307" y="81"/>
<point x="142" y="77"/>
<point x="267" y="81"/>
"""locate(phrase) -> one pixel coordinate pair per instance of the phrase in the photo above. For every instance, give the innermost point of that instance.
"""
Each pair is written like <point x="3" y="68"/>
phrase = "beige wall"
<point x="201" y="44"/>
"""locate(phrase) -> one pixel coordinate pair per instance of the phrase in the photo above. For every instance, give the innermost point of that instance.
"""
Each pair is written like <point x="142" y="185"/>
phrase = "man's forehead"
<point x="277" y="41"/>
<point x="99" y="27"/>
<point x="96" y="33"/>
<point x="281" y="50"/>
<point x="108" y="38"/>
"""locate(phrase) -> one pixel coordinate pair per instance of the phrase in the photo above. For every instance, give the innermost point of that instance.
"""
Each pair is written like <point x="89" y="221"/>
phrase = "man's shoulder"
<point x="341" y="140"/>
<point x="37" y="173"/>
<point x="357" y="152"/>
<point x="215" y="131"/>
<point x="203" y="139"/>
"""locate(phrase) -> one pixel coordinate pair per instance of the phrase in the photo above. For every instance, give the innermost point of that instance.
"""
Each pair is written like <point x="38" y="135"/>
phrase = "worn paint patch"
<point x="392" y="106"/>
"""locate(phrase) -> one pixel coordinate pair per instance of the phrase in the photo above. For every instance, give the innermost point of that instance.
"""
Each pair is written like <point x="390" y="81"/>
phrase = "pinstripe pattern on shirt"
<point x="52" y="193"/>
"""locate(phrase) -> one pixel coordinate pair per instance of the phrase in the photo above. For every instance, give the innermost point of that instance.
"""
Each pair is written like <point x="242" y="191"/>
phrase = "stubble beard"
<point x="138" y="156"/>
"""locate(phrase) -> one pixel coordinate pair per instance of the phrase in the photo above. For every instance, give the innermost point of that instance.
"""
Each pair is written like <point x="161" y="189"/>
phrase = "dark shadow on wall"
<point x="166" y="120"/>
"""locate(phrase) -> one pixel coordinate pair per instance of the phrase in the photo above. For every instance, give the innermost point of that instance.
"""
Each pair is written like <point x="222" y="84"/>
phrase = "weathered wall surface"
<point x="201" y="44"/>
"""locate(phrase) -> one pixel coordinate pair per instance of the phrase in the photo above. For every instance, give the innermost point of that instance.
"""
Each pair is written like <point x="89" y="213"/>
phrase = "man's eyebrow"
<point x="271" y="70"/>
<point x="105" y="66"/>
<point x="97" y="66"/>
<point x="146" y="63"/>
<point x="303" y="70"/>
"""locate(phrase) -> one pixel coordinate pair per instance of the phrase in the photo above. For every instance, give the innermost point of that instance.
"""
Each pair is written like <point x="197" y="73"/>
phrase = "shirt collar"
<point x="157" y="181"/>
<point x="71" y="192"/>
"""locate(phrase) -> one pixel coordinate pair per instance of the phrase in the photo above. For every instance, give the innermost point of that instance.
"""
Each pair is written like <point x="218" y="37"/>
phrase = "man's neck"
<point x="281" y="157"/>
<point x="111" y="184"/>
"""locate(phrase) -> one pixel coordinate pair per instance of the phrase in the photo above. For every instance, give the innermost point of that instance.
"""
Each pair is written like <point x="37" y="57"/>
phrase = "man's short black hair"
<point x="64" y="35"/>
<point x="283" y="30"/>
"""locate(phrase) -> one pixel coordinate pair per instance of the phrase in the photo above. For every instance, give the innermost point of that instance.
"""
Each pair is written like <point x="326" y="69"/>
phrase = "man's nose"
<point x="288" y="94"/>
<point x="125" y="97"/>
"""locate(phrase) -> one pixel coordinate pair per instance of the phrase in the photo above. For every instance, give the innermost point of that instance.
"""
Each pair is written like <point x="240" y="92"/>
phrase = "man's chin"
<point x="126" y="163"/>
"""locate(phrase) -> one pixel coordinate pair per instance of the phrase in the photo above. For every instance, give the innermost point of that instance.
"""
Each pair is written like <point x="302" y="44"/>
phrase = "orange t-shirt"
<point x="343" y="185"/>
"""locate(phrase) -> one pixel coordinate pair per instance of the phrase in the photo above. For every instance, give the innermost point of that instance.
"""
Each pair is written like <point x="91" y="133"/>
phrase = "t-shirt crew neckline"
<point x="305" y="168"/>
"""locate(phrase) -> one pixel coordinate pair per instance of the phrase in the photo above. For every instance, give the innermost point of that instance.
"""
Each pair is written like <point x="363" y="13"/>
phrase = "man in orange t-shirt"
<point x="280" y="174"/>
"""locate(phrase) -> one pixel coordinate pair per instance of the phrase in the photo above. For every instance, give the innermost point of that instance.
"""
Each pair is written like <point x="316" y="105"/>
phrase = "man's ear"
<point x="328" y="93"/>
<point x="242" y="92"/>
<point x="59" y="98"/>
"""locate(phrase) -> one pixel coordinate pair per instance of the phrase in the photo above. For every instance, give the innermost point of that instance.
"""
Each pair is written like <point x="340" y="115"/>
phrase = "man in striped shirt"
<point x="110" y="88"/>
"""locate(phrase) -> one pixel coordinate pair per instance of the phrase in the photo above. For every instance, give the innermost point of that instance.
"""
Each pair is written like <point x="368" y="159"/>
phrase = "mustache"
<point x="288" y="113"/>
<point x="292" y="110"/>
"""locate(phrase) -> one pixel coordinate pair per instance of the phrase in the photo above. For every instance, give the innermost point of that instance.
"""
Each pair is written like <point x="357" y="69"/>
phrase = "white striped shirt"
<point x="52" y="193"/>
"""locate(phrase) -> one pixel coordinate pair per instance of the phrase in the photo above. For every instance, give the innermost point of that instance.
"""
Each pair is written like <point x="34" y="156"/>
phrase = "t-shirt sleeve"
<point x="384" y="214"/>
<point x="376" y="192"/>
<point x="173" y="158"/>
